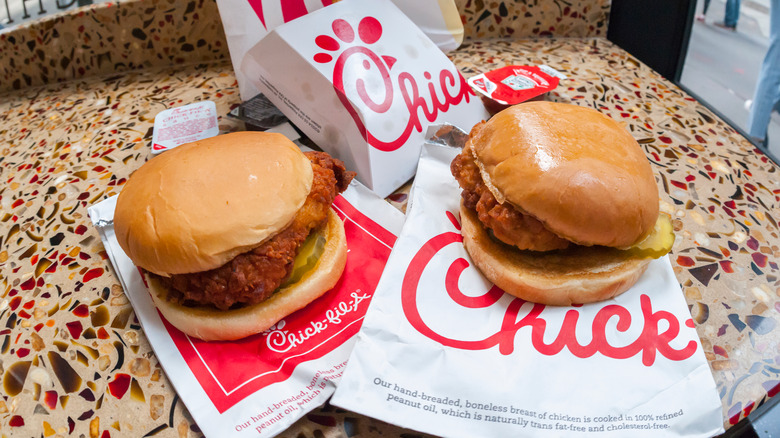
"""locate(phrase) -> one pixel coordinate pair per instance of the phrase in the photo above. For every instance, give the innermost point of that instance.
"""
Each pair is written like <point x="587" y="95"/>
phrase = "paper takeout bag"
<point x="443" y="352"/>
<point x="363" y="82"/>
<point x="260" y="385"/>
<point x="247" y="21"/>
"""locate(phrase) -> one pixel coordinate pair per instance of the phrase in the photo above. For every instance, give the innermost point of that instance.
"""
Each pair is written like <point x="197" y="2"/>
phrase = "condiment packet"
<point x="513" y="84"/>
<point x="260" y="385"/>
<point x="258" y="113"/>
<point x="185" y="124"/>
<point x="442" y="351"/>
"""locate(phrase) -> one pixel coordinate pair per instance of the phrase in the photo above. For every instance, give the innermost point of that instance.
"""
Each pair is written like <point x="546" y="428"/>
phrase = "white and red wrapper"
<point x="185" y="124"/>
<point x="444" y="352"/>
<point x="260" y="385"/>
<point x="362" y="82"/>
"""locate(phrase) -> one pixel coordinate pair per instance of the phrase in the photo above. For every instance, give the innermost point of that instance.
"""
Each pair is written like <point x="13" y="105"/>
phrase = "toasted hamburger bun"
<point x="576" y="275"/>
<point x="196" y="207"/>
<point x="585" y="178"/>
<point x="574" y="169"/>
<point x="212" y="324"/>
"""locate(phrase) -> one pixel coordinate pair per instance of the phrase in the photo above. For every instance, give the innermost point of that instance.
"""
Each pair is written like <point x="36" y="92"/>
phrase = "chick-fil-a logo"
<point x="282" y="341"/>
<point x="449" y="88"/>
<point x="650" y="342"/>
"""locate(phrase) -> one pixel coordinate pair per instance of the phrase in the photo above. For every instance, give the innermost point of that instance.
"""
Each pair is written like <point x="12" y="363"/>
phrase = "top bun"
<point x="196" y="207"/>
<point x="574" y="169"/>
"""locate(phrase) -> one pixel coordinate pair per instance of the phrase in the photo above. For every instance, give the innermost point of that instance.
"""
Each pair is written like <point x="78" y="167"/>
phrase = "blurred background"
<point x="722" y="65"/>
<point x="720" y="68"/>
<point x="15" y="12"/>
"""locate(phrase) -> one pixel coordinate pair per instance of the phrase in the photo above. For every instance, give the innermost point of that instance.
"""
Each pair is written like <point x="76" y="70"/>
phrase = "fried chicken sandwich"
<point x="234" y="232"/>
<point x="559" y="204"/>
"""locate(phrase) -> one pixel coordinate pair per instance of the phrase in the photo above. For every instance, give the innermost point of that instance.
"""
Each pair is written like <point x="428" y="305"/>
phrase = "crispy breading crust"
<point x="507" y="223"/>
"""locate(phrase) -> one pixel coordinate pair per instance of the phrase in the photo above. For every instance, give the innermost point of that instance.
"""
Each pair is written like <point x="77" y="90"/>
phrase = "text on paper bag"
<point x="449" y="88"/>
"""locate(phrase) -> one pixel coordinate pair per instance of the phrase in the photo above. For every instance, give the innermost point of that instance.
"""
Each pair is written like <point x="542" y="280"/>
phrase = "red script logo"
<point x="449" y="88"/>
<point x="650" y="342"/>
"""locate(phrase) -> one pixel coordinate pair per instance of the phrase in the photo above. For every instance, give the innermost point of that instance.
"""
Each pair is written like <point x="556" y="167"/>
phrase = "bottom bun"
<point x="212" y="324"/>
<point x="576" y="275"/>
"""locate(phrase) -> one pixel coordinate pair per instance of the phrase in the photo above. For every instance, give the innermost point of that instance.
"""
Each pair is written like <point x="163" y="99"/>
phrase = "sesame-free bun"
<point x="212" y="324"/>
<point x="574" y="169"/>
<point x="577" y="275"/>
<point x="169" y="219"/>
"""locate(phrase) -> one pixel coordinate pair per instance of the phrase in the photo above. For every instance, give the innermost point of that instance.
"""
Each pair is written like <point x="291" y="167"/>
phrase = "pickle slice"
<point x="307" y="258"/>
<point x="658" y="242"/>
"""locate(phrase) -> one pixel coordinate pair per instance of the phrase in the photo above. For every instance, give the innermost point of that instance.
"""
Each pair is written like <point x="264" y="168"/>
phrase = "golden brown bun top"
<point x="573" y="168"/>
<point x="197" y="206"/>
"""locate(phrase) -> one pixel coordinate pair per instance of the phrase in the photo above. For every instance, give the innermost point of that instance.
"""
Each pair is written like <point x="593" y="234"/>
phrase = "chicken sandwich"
<point x="234" y="232"/>
<point x="559" y="204"/>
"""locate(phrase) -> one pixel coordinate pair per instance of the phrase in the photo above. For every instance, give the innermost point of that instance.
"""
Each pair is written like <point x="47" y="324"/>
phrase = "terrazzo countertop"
<point x="74" y="359"/>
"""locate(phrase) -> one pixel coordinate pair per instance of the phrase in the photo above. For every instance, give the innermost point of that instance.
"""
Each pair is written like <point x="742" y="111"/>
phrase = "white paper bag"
<point x="247" y="21"/>
<point x="443" y="352"/>
<point x="260" y="385"/>
<point x="363" y="82"/>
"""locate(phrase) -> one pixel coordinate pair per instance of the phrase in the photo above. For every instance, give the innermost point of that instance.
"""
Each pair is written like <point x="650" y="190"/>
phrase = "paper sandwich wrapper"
<point x="260" y="385"/>
<point x="362" y="82"/>
<point x="442" y="351"/>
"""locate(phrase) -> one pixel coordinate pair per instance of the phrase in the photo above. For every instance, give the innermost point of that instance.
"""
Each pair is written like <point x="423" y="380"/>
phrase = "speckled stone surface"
<point x="111" y="38"/>
<point x="74" y="360"/>
<point x="130" y="35"/>
<point x="506" y="18"/>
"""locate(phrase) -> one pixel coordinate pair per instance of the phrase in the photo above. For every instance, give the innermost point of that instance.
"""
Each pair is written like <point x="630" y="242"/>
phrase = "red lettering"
<point x="453" y="91"/>
<point x="654" y="341"/>
<point x="451" y="284"/>
<point x="409" y="295"/>
<point x="338" y="85"/>
<point x="649" y="343"/>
